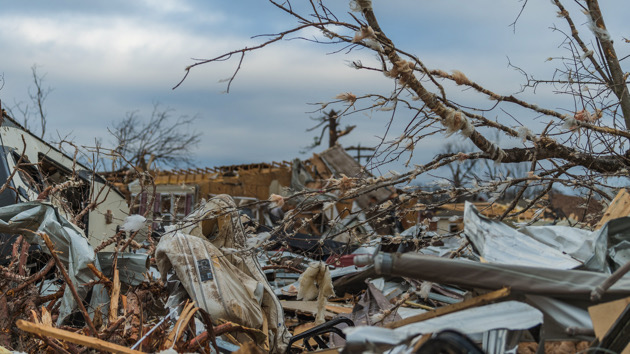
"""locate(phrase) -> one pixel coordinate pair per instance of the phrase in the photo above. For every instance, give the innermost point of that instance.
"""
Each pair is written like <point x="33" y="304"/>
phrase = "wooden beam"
<point x="115" y="294"/>
<point x="474" y="302"/>
<point x="72" y="337"/>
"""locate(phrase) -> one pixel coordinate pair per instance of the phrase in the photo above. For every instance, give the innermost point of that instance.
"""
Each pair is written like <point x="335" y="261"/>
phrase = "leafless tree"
<point x="34" y="109"/>
<point x="583" y="144"/>
<point x="460" y="173"/>
<point x="156" y="142"/>
<point x="328" y="122"/>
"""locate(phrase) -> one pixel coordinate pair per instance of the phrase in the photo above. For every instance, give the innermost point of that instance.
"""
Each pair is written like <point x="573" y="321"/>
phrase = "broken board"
<point x="310" y="308"/>
<point x="604" y="316"/>
<point x="619" y="207"/>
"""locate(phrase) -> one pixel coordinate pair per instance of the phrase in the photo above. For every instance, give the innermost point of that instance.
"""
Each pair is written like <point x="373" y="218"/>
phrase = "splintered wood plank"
<point x="474" y="302"/>
<point x="338" y="309"/>
<point x="72" y="337"/>
<point x="619" y="207"/>
<point x="300" y="329"/>
<point x="113" y="305"/>
<point x="307" y="308"/>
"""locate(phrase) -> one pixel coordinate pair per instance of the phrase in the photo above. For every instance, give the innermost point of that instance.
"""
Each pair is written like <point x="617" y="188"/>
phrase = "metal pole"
<point x="597" y="293"/>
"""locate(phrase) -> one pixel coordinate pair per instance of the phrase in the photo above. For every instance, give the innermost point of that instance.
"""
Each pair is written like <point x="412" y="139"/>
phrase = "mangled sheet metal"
<point x="73" y="249"/>
<point x="132" y="266"/>
<point x="208" y="253"/>
<point x="560" y="247"/>
<point x="559" y="316"/>
<point x="511" y="315"/>
<point x="617" y="232"/>
<point x="496" y="242"/>
<point x="562" y="295"/>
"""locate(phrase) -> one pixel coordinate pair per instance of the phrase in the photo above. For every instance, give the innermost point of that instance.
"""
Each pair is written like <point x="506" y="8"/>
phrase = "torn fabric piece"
<point x="219" y="222"/>
<point x="210" y="279"/>
<point x="73" y="248"/>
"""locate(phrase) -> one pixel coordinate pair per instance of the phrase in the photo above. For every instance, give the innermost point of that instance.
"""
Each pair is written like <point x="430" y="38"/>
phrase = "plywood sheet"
<point x="619" y="207"/>
<point x="604" y="316"/>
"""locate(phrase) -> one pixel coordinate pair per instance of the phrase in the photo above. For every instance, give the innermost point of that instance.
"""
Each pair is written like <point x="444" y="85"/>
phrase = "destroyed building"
<point x="35" y="169"/>
<point x="250" y="185"/>
<point x="216" y="278"/>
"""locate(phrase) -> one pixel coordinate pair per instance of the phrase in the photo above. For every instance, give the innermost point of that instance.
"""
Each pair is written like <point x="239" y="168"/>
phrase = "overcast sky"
<point x="106" y="58"/>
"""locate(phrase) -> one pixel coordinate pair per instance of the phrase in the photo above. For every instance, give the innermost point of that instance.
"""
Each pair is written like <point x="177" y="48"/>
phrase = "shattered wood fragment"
<point x="474" y="302"/>
<point x="71" y="337"/>
<point x="338" y="309"/>
<point x="46" y="317"/>
<point x="265" y="329"/>
<point x="133" y="325"/>
<point x="619" y="207"/>
<point x="305" y="307"/>
<point x="184" y="317"/>
<point x="617" y="337"/>
<point x="112" y="328"/>
<point x="113" y="305"/>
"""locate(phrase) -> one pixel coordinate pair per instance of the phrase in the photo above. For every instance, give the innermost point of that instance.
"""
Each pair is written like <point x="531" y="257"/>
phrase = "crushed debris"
<point x="294" y="262"/>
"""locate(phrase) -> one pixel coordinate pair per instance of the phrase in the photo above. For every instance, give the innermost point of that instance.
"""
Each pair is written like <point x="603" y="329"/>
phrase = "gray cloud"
<point x="107" y="58"/>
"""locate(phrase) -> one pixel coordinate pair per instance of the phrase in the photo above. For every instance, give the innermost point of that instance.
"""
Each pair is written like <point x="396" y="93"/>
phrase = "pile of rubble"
<point x="337" y="274"/>
<point x="208" y="285"/>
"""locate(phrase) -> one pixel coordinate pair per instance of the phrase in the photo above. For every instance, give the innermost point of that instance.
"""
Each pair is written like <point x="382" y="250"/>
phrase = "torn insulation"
<point x="456" y="121"/>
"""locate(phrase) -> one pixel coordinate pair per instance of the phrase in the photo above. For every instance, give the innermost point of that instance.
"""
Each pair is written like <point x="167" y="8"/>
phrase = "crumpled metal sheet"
<point x="512" y="315"/>
<point x="588" y="247"/>
<point x="74" y="250"/>
<point x="496" y="242"/>
<point x="559" y="316"/>
<point x="618" y="241"/>
<point x="563" y="295"/>
<point x="560" y="247"/>
<point x="132" y="267"/>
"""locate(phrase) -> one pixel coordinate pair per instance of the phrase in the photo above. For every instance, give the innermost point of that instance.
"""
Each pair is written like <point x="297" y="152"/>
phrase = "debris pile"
<point x="314" y="267"/>
<point x="214" y="289"/>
